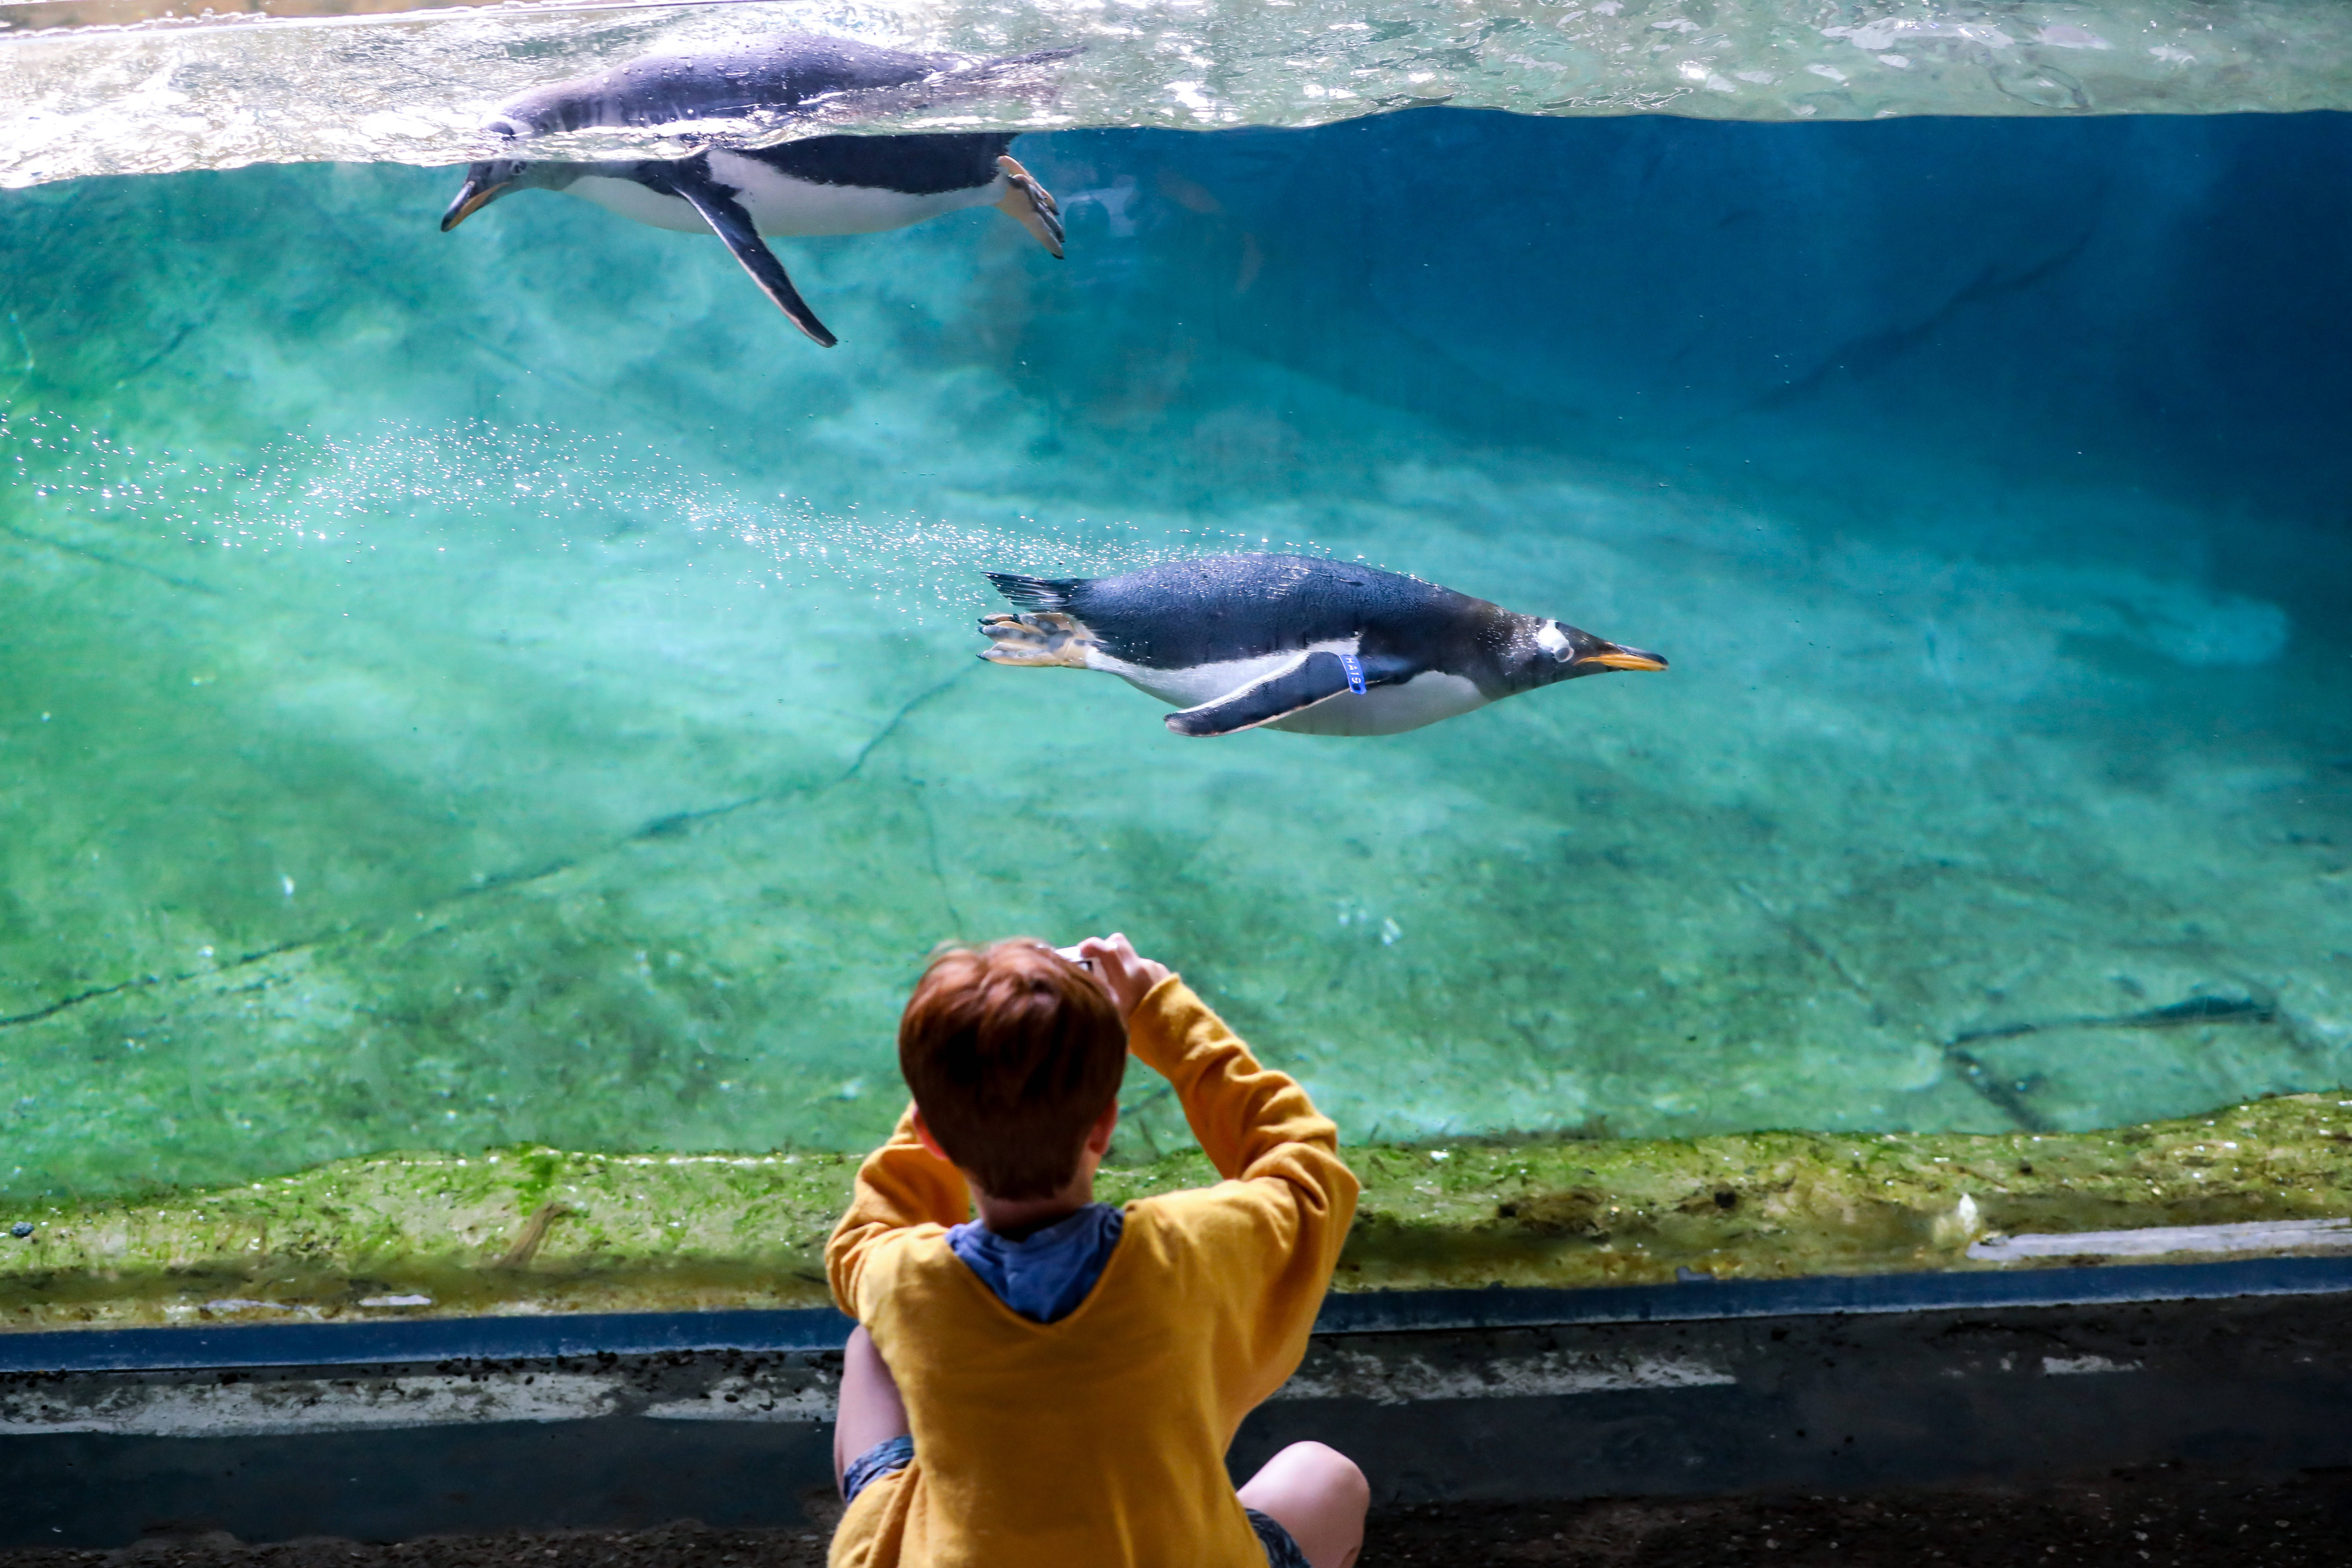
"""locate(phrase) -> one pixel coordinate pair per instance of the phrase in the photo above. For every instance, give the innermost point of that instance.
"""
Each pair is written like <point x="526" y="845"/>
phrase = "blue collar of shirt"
<point x="1045" y="1274"/>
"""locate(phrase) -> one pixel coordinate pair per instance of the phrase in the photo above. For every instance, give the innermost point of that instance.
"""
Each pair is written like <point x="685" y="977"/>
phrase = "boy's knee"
<point x="1340" y="1475"/>
<point x="1323" y="1472"/>
<point x="1320" y="1496"/>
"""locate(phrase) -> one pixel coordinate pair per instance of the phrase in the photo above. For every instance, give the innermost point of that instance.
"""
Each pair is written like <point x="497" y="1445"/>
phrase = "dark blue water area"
<point x="506" y="684"/>
<point x="2152" y="304"/>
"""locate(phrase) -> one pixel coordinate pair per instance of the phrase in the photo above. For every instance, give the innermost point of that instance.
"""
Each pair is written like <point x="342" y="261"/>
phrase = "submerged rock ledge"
<point x="544" y="1230"/>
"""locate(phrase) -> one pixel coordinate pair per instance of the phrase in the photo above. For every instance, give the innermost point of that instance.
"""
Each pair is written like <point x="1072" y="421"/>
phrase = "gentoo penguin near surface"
<point x="1292" y="642"/>
<point x="823" y="185"/>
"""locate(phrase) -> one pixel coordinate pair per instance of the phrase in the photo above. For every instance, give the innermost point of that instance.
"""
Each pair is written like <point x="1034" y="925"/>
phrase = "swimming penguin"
<point x="824" y="185"/>
<point x="1292" y="642"/>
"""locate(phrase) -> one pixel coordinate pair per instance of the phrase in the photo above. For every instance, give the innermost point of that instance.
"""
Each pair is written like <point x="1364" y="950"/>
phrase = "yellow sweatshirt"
<point x="1098" y="1441"/>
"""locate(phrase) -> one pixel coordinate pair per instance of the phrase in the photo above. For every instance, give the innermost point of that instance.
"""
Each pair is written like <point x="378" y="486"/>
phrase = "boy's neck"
<point x="1017" y="1219"/>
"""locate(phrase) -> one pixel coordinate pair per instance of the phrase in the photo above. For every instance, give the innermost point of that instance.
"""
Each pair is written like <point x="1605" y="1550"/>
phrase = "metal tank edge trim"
<point x="813" y="1331"/>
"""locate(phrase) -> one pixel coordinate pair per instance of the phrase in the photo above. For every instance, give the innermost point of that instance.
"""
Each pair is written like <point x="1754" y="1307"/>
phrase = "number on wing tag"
<point x="1354" y="668"/>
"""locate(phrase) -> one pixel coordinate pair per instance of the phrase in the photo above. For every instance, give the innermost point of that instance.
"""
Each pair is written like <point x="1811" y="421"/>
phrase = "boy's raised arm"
<point x="900" y="1184"/>
<point x="1251" y="1120"/>
<point x="1245" y="1115"/>
<point x="1280" y="1230"/>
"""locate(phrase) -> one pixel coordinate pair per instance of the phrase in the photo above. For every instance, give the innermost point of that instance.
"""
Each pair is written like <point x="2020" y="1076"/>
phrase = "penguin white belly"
<point x="782" y="204"/>
<point x="1425" y="698"/>
<point x="1191" y="686"/>
<point x="633" y="201"/>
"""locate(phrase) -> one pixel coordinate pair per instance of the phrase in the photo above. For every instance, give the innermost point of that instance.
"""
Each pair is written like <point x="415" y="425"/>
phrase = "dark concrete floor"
<point x="2168" y="1517"/>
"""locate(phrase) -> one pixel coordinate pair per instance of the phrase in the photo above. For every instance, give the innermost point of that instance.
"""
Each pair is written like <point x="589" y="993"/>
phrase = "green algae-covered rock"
<point x="544" y="1230"/>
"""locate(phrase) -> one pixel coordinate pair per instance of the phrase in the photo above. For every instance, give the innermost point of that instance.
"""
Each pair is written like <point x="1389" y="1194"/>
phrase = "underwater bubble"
<point x="480" y="493"/>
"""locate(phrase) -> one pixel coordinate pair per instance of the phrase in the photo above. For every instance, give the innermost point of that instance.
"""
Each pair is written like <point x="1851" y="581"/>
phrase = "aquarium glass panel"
<point x="512" y="684"/>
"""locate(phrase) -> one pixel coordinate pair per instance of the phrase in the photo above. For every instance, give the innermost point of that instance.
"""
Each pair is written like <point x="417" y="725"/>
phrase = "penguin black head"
<point x="486" y="182"/>
<point x="1543" y="652"/>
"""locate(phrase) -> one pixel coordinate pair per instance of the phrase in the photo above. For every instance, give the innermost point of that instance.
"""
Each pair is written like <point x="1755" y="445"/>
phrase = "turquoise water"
<point x="509" y="685"/>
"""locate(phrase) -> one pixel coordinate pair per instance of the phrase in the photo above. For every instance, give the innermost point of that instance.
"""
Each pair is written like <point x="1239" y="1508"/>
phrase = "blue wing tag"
<point x="1354" y="668"/>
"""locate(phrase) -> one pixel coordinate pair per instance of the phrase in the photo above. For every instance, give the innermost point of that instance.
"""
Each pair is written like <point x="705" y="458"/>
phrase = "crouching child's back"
<point x="1056" y="1382"/>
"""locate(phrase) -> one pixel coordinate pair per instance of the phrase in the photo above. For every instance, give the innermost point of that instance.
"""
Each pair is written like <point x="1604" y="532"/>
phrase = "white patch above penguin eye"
<point x="1553" y="641"/>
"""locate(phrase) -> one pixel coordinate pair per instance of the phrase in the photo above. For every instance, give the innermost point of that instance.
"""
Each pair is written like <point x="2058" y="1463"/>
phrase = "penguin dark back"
<point x="770" y="75"/>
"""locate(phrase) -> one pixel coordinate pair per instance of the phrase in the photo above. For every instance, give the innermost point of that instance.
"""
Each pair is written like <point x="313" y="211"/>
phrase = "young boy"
<point x="1053" y="1384"/>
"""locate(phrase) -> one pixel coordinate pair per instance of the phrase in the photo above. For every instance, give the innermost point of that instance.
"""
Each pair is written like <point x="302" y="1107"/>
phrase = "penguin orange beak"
<point x="480" y="191"/>
<point x="1612" y="656"/>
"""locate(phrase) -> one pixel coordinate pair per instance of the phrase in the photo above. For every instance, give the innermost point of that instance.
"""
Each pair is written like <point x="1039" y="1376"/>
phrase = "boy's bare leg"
<point x="871" y="1410"/>
<point x="1320" y="1496"/>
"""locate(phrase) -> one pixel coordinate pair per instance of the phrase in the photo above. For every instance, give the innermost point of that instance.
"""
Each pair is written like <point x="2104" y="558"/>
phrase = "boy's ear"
<point x="1098" y="1135"/>
<point x="923" y="1132"/>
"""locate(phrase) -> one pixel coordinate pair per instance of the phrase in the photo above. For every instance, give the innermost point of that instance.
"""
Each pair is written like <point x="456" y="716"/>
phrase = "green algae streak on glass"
<point x="463" y="690"/>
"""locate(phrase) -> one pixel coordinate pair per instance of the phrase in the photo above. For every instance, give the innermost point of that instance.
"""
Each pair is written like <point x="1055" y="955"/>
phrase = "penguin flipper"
<point x="1309" y="679"/>
<point x="733" y="226"/>
<point x="1030" y="204"/>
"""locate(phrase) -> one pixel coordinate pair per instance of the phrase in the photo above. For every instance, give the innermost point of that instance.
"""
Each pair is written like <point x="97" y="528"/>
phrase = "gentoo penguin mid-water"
<point x="1292" y="642"/>
<point x="823" y="185"/>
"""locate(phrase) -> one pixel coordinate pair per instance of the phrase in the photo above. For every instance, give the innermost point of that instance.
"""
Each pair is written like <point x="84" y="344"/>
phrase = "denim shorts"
<point x="892" y="1454"/>
<point x="1281" y="1550"/>
<point x="897" y="1453"/>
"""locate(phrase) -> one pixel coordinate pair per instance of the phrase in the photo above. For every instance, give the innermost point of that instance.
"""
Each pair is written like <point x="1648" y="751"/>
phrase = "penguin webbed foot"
<point x="1031" y="204"/>
<point x="1046" y="638"/>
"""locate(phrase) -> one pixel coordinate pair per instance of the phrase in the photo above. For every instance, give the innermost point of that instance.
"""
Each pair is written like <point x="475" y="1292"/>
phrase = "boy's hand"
<point x="1129" y="975"/>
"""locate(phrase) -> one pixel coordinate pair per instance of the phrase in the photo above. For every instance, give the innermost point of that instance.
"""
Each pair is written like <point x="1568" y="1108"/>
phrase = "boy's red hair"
<point x="1012" y="1052"/>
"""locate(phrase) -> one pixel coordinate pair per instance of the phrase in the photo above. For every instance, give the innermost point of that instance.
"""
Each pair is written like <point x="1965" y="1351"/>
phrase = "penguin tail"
<point x="1034" y="593"/>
